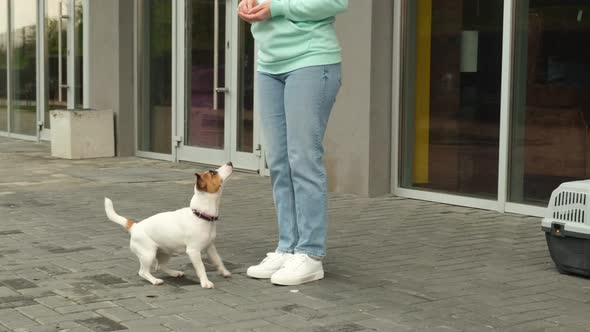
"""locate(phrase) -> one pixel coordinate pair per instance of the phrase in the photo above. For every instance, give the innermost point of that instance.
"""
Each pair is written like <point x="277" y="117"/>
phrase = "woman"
<point x="298" y="79"/>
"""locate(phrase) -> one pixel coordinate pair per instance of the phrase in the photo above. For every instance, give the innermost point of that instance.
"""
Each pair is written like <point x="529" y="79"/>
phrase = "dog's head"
<point x="213" y="181"/>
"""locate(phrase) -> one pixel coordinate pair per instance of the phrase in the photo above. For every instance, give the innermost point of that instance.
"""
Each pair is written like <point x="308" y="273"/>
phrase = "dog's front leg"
<point x="195" y="256"/>
<point x="214" y="257"/>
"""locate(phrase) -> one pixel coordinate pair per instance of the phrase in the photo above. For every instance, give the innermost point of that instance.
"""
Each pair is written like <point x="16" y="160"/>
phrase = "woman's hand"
<point x="246" y="5"/>
<point x="252" y="11"/>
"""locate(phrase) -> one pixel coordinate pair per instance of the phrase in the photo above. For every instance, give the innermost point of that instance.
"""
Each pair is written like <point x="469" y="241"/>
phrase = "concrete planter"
<point x="79" y="134"/>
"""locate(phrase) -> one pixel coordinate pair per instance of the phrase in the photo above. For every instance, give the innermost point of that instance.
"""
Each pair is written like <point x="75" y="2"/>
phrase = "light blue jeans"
<point x="294" y="109"/>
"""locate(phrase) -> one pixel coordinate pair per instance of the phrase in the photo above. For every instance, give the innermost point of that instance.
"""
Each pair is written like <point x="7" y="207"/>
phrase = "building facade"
<point x="477" y="103"/>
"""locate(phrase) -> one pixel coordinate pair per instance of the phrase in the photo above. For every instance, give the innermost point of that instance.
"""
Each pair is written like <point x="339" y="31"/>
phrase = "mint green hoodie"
<point x="299" y="34"/>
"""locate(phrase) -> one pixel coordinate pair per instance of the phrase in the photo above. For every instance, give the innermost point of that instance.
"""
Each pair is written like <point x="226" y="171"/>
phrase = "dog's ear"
<point x="200" y="182"/>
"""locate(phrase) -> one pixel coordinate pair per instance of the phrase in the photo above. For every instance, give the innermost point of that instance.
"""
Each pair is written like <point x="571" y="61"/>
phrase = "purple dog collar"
<point x="205" y="216"/>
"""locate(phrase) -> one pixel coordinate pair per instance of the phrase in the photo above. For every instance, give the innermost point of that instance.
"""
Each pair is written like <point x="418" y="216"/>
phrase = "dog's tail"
<point x="114" y="217"/>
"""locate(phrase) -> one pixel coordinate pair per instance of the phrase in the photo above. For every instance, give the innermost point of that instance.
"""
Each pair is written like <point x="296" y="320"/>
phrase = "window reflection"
<point x="155" y="115"/>
<point x="451" y="101"/>
<point x="23" y="67"/>
<point x="3" y="65"/>
<point x="550" y="141"/>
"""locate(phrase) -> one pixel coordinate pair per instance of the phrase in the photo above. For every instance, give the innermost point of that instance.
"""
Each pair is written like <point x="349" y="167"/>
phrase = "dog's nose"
<point x="230" y="164"/>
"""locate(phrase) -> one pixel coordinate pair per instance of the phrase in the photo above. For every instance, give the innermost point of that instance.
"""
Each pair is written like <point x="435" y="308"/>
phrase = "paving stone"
<point x="243" y="325"/>
<point x="393" y="264"/>
<point x="290" y="322"/>
<point x="68" y="250"/>
<point x="153" y="324"/>
<point x="6" y="292"/>
<point x="14" y="231"/>
<point x="341" y="318"/>
<point x="184" y="325"/>
<point x="18" y="284"/>
<point x="351" y="327"/>
<point x="101" y="324"/>
<point x="15" y="302"/>
<point x="107" y="279"/>
<point x="43" y="291"/>
<point x="14" y="319"/>
<point x="133" y="304"/>
<point x="233" y="301"/>
<point x="524" y="317"/>
<point x="203" y="318"/>
<point x="252" y="315"/>
<point x="180" y="282"/>
<point x="64" y="326"/>
<point x="36" y="311"/>
<point x="118" y="314"/>
<point x="269" y="329"/>
<point x="54" y="301"/>
<point x="67" y="317"/>
<point x="85" y="307"/>
<point x="300" y="311"/>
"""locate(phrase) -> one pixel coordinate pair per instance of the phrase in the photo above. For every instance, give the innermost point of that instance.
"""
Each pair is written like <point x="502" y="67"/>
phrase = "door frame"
<point x="200" y="155"/>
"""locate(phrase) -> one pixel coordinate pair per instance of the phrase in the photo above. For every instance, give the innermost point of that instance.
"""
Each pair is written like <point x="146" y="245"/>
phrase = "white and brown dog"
<point x="190" y="230"/>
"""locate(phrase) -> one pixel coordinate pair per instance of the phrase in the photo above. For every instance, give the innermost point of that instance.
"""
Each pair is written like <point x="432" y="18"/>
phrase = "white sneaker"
<point x="299" y="269"/>
<point x="271" y="264"/>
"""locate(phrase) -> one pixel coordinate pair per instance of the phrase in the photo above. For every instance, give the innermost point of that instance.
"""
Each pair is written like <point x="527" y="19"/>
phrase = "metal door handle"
<point x="221" y="90"/>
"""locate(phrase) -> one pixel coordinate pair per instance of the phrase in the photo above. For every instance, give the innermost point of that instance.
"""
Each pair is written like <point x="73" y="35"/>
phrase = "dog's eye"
<point x="213" y="172"/>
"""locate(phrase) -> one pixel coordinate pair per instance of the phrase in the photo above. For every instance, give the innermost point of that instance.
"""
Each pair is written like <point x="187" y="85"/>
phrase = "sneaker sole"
<point x="303" y="280"/>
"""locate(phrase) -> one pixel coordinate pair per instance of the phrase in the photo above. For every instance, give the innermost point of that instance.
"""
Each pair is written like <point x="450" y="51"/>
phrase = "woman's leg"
<point x="270" y="91"/>
<point x="310" y="94"/>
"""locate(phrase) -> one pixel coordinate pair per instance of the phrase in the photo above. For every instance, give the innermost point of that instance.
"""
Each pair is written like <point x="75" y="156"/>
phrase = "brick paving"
<point x="394" y="264"/>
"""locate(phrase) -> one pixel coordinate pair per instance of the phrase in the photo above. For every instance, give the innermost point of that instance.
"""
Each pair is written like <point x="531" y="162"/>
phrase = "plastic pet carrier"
<point x="567" y="227"/>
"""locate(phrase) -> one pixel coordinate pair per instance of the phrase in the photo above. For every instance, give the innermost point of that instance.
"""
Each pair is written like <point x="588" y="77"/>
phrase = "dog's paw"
<point x="206" y="284"/>
<point x="157" y="282"/>
<point x="225" y="273"/>
<point x="174" y="273"/>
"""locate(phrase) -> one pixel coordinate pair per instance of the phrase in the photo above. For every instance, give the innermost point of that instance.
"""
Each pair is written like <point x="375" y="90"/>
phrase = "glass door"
<point x="62" y="51"/>
<point x="217" y="122"/>
<point x="3" y="65"/>
<point x="451" y="97"/>
<point x="495" y="107"/>
<point x="56" y="29"/>
<point x="155" y="72"/>
<point x="23" y="68"/>
<point x="550" y="142"/>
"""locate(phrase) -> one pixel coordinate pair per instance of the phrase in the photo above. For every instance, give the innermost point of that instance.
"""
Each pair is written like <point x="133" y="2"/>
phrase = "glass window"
<point x="245" y="135"/>
<point x="451" y="97"/>
<point x="57" y="55"/>
<point x="79" y="64"/>
<point x="3" y="65"/>
<point x="206" y="58"/>
<point x="551" y="108"/>
<point x="57" y="64"/>
<point x="23" y="66"/>
<point x="155" y="45"/>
